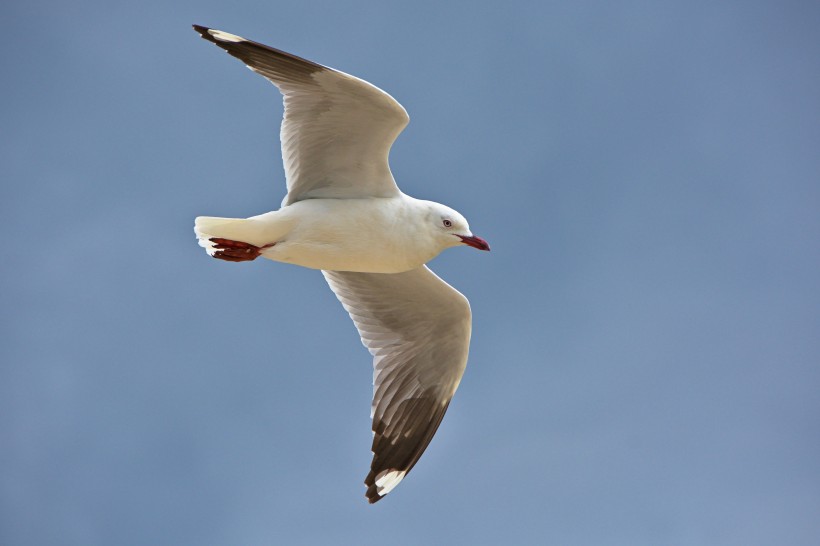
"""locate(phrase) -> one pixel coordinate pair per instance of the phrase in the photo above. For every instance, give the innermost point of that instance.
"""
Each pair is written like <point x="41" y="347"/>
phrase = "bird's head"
<point x="451" y="228"/>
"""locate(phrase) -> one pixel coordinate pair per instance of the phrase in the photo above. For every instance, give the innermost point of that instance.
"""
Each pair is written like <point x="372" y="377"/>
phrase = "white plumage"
<point x="344" y="214"/>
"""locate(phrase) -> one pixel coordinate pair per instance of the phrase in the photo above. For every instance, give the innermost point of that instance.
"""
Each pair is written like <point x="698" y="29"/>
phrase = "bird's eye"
<point x="447" y="223"/>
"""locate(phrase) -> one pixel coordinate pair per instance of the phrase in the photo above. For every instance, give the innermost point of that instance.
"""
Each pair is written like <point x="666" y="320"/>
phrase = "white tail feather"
<point x="263" y="230"/>
<point x="245" y="230"/>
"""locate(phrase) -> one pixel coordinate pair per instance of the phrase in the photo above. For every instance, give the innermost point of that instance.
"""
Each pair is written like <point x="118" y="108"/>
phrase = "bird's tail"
<point x="235" y="229"/>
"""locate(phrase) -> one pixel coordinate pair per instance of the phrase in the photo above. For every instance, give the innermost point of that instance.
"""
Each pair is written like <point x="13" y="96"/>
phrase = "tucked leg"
<point x="236" y="251"/>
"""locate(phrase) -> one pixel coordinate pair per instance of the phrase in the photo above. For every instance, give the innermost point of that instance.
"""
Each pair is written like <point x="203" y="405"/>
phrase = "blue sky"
<point x="645" y="364"/>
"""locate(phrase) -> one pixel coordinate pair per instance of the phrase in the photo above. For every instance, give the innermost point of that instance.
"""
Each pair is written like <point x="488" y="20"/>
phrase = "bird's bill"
<point x="475" y="242"/>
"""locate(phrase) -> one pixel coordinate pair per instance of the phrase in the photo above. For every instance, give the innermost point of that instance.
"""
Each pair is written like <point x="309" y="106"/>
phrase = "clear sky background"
<point x="645" y="366"/>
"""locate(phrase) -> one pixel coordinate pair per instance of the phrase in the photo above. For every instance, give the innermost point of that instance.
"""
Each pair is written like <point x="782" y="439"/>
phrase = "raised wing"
<point x="338" y="129"/>
<point x="417" y="327"/>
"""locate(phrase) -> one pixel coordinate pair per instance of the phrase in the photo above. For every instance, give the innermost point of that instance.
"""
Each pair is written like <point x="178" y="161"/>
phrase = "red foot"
<point x="236" y="251"/>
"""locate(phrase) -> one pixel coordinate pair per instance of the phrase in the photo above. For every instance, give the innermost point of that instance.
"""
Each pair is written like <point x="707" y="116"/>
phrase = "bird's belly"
<point x="337" y="256"/>
<point x="364" y="235"/>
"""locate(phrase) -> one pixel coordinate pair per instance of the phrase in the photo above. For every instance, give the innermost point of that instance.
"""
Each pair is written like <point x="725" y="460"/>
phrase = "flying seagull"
<point x="344" y="214"/>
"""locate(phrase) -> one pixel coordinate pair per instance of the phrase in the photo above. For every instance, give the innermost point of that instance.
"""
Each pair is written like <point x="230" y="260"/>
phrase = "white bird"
<point x="344" y="214"/>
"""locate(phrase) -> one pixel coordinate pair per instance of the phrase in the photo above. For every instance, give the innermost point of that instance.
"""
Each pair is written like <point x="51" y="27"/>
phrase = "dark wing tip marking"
<point x="397" y="446"/>
<point x="202" y="30"/>
<point x="372" y="496"/>
<point x="206" y="34"/>
<point x="269" y="61"/>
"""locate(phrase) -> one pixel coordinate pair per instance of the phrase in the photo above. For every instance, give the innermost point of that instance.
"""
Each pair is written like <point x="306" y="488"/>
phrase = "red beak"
<point x="475" y="242"/>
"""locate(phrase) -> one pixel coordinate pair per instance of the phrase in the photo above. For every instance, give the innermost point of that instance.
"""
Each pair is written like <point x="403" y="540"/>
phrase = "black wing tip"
<point x="203" y="31"/>
<point x="205" y="34"/>
<point x="392" y="459"/>
<point x="241" y="48"/>
<point x="379" y="484"/>
<point x="372" y="491"/>
<point x="219" y="37"/>
<point x="372" y="496"/>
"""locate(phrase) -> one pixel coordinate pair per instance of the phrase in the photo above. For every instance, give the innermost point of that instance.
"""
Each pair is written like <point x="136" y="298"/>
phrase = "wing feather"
<point x="337" y="129"/>
<point x="417" y="327"/>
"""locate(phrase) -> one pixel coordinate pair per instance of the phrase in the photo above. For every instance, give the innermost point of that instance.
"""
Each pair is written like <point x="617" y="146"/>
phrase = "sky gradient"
<point x="645" y="364"/>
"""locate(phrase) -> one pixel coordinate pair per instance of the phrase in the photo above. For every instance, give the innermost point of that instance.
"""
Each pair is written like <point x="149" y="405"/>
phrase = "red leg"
<point x="236" y="251"/>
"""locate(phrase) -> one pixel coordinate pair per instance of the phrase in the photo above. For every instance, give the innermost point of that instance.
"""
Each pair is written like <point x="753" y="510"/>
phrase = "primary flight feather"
<point x="345" y="215"/>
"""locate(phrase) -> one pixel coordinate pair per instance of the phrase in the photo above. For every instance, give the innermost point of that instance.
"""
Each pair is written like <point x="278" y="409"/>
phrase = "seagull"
<point x="344" y="215"/>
